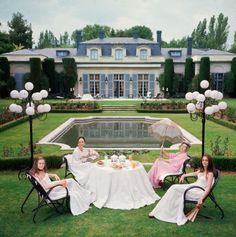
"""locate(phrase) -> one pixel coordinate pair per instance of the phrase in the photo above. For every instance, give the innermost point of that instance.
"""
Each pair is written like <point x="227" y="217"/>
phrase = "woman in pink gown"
<point x="170" y="165"/>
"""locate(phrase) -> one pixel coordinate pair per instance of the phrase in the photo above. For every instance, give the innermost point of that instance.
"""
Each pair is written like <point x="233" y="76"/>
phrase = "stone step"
<point x="119" y="108"/>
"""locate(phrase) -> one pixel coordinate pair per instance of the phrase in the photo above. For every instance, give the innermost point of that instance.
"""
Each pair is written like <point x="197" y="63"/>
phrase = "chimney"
<point x="78" y="38"/>
<point x="135" y="35"/>
<point x="101" y="35"/>
<point x="189" y="46"/>
<point x="159" y="38"/>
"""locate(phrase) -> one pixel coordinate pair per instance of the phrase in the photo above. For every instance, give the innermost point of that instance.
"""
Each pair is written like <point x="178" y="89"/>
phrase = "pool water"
<point x="111" y="134"/>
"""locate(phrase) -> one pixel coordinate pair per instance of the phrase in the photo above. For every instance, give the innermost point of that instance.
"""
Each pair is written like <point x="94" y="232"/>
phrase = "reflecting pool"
<point x="110" y="132"/>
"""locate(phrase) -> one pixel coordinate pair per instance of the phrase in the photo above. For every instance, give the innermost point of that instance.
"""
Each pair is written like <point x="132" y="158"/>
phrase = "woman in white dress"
<point x="80" y="199"/>
<point x="170" y="207"/>
<point x="80" y="163"/>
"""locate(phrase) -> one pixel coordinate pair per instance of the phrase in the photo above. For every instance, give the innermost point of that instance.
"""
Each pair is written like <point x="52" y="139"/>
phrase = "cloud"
<point x="176" y="18"/>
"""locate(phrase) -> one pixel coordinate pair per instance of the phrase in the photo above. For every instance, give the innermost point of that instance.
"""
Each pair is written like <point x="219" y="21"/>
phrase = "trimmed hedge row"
<point x="221" y="163"/>
<point x="224" y="123"/>
<point x="21" y="163"/>
<point x="13" y="123"/>
<point x="76" y="111"/>
<point x="177" y="111"/>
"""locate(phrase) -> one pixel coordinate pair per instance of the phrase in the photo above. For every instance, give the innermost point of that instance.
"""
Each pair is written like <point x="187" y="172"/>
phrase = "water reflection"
<point x="112" y="135"/>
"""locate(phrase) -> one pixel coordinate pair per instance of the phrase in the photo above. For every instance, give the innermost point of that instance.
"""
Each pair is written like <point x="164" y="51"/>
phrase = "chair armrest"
<point x="190" y="188"/>
<point x="48" y="192"/>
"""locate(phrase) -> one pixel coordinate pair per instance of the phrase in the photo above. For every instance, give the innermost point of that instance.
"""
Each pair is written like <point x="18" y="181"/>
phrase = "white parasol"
<point x="165" y="129"/>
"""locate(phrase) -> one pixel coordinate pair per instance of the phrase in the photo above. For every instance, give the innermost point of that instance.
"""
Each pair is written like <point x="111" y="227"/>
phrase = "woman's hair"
<point x="81" y="138"/>
<point x="187" y="145"/>
<point x="34" y="168"/>
<point x="210" y="167"/>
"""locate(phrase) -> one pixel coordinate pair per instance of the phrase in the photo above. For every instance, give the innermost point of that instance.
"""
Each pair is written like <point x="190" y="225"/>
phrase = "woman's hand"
<point x="64" y="183"/>
<point x="56" y="177"/>
<point x="181" y="180"/>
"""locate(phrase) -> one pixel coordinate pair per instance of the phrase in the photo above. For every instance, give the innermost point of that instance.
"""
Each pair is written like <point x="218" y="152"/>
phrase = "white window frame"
<point x="94" y="54"/>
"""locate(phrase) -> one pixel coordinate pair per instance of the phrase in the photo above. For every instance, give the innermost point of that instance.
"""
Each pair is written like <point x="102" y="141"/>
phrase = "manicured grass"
<point x="6" y="102"/>
<point x="20" y="134"/>
<point x="108" y="222"/>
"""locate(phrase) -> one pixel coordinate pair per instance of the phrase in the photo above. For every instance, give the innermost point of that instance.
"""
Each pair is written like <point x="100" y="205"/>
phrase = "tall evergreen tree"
<point x="233" y="46"/>
<point x="49" y="71"/>
<point x="70" y="74"/>
<point x="169" y="75"/>
<point x="35" y="73"/>
<point x="188" y="74"/>
<point x="215" y="37"/>
<point x="204" y="72"/>
<point x="47" y="40"/>
<point x="4" y="76"/>
<point x="5" y="44"/>
<point x="233" y="70"/>
<point x="20" y="32"/>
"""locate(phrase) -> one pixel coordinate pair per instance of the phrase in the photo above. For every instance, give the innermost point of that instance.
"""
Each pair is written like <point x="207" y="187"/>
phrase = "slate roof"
<point x="119" y="40"/>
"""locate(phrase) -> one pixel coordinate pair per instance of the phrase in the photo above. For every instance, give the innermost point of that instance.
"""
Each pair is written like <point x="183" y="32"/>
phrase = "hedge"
<point x="20" y="163"/>
<point x="180" y="111"/>
<point x="13" y="123"/>
<point x="76" y="111"/>
<point x="221" y="163"/>
<point x="224" y="123"/>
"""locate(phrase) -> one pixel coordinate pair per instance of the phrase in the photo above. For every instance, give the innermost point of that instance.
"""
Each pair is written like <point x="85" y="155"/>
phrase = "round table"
<point x="126" y="188"/>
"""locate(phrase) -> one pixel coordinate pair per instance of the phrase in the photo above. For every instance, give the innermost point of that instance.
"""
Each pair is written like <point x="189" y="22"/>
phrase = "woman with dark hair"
<point x="80" y="199"/>
<point x="170" y="207"/>
<point x="79" y="163"/>
<point x="83" y="154"/>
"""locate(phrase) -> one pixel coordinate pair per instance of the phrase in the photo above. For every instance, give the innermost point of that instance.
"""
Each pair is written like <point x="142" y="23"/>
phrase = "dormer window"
<point x="119" y="54"/>
<point x="93" y="54"/>
<point x="62" y="53"/>
<point x="175" y="53"/>
<point x="143" y="54"/>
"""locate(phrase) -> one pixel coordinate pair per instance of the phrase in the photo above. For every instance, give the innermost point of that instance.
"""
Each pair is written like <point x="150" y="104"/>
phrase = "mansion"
<point x="121" y="67"/>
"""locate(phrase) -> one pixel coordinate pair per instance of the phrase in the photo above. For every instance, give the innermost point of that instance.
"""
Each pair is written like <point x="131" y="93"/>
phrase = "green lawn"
<point x="20" y="134"/>
<point x="6" y="102"/>
<point x="107" y="222"/>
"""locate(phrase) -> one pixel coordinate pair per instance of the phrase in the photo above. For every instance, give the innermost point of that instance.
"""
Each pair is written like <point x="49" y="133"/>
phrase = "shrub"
<point x="21" y="163"/>
<point x="221" y="163"/>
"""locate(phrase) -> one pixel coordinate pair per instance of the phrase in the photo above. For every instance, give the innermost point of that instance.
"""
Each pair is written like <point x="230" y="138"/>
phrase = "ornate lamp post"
<point x="29" y="103"/>
<point x="204" y="105"/>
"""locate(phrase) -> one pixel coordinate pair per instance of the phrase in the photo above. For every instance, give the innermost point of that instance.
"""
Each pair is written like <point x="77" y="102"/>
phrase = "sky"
<point x="175" y="18"/>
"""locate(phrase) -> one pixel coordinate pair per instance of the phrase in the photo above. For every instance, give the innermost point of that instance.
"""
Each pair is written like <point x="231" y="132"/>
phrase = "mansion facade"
<point x="121" y="67"/>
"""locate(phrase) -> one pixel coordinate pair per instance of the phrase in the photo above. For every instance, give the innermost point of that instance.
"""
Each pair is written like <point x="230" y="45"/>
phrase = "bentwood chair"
<point x="44" y="198"/>
<point x="210" y="196"/>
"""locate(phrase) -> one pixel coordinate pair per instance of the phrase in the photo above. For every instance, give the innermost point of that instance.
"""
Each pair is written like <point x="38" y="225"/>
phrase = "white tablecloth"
<point x="127" y="188"/>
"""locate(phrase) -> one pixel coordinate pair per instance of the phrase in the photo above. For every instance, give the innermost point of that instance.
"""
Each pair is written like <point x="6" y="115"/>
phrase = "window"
<point x="142" y="84"/>
<point x="118" y="54"/>
<point x="62" y="53"/>
<point x="218" y="79"/>
<point x="143" y="54"/>
<point x="94" y="85"/>
<point x="93" y="54"/>
<point x="118" y="85"/>
<point x="175" y="53"/>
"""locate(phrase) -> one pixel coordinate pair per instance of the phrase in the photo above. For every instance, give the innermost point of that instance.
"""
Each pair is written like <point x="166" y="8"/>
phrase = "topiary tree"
<point x="169" y="75"/>
<point x="229" y="83"/>
<point x="188" y="74"/>
<point x="4" y="77"/>
<point x="233" y="70"/>
<point x="195" y="83"/>
<point x="48" y="66"/>
<point x="35" y="73"/>
<point x="70" y="74"/>
<point x="204" y="72"/>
